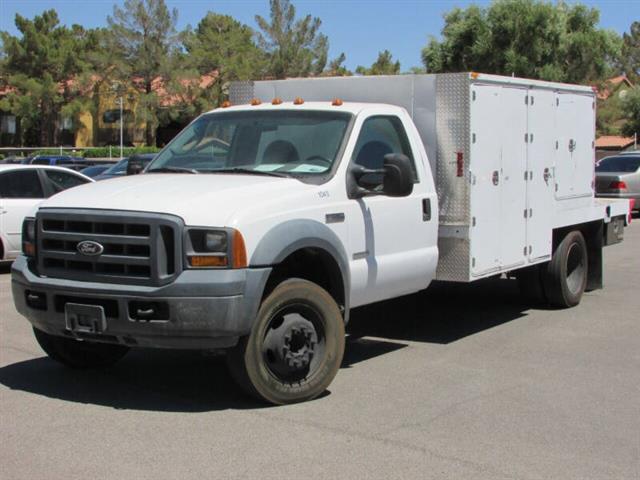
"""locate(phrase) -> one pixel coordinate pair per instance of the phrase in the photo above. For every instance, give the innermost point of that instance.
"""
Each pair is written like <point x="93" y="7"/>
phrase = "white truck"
<point x="264" y="222"/>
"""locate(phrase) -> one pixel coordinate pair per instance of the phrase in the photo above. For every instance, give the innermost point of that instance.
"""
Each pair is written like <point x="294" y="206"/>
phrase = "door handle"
<point x="426" y="209"/>
<point x="495" y="177"/>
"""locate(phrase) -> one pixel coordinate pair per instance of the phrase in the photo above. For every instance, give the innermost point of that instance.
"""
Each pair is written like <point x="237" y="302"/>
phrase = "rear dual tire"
<point x="295" y="347"/>
<point x="562" y="281"/>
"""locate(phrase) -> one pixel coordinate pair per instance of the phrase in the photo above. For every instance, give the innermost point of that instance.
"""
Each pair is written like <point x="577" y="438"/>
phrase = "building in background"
<point x="99" y="123"/>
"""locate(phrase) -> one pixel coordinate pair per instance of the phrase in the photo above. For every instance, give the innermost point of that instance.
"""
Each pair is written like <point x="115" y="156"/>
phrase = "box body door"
<point x="512" y="182"/>
<point x="498" y="188"/>
<point x="541" y="151"/>
<point x="484" y="171"/>
<point x="575" y="160"/>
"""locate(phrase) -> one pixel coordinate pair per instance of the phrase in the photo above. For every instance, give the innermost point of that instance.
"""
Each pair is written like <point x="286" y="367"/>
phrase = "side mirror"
<point x="134" y="166"/>
<point x="398" y="175"/>
<point x="394" y="179"/>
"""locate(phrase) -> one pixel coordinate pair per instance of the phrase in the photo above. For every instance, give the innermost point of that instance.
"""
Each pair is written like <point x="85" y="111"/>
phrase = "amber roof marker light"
<point x="255" y="102"/>
<point x="298" y="101"/>
<point x="226" y="104"/>
<point x="276" y="101"/>
<point x="337" y="102"/>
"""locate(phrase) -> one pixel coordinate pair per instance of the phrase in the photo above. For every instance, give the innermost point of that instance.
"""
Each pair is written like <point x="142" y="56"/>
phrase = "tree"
<point x="37" y="66"/>
<point x="337" y="68"/>
<point x="384" y="65"/>
<point x="630" y="58"/>
<point x="145" y="32"/>
<point x="223" y="45"/>
<point x="295" y="48"/>
<point x="631" y="112"/>
<point x="528" y="38"/>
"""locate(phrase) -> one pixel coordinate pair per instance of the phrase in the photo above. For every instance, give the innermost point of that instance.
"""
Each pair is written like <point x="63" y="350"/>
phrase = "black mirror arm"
<point x="358" y="171"/>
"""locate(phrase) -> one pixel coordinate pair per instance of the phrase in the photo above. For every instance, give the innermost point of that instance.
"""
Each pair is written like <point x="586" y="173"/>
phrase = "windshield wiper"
<point x="172" y="170"/>
<point x="250" y="171"/>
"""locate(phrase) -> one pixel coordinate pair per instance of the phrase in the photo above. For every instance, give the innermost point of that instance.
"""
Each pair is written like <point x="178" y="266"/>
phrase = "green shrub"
<point x="103" y="152"/>
<point x="56" y="151"/>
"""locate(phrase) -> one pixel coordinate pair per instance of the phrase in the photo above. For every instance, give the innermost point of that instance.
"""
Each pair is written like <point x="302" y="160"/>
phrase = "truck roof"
<point x="349" y="107"/>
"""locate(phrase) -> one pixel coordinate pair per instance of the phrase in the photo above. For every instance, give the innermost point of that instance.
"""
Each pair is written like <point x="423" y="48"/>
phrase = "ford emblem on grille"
<point x="90" y="248"/>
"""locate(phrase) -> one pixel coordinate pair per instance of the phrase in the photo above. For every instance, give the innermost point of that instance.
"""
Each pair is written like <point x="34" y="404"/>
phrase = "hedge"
<point x="103" y="152"/>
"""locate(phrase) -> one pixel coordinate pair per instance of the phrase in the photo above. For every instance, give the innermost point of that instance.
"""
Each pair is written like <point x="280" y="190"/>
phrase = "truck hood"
<point x="203" y="199"/>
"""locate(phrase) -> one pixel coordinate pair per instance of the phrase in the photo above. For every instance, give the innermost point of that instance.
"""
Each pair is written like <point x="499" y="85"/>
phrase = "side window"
<point x="21" y="184"/>
<point x="380" y="136"/>
<point x="62" y="180"/>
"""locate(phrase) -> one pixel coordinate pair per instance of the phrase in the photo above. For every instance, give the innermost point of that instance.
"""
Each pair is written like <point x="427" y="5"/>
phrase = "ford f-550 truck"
<point x="264" y="222"/>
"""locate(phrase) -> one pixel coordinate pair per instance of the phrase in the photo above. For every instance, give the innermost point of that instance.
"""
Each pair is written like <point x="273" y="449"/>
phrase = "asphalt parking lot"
<point x="463" y="382"/>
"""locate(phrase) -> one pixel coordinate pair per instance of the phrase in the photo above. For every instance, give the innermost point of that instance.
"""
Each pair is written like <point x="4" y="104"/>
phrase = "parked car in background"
<point x="22" y="187"/>
<point x="120" y="168"/>
<point x="95" y="170"/>
<point x="618" y="176"/>
<point x="74" y="163"/>
<point x="12" y="159"/>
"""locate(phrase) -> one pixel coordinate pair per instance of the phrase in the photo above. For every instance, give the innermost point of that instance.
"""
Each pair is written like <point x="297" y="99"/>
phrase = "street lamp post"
<point x="121" y="129"/>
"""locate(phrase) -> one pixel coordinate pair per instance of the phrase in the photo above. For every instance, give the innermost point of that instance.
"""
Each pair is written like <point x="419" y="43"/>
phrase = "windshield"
<point x="619" y="164"/>
<point x="281" y="142"/>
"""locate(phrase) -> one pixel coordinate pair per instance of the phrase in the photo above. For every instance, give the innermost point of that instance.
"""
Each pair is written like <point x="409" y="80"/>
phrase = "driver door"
<point x="392" y="241"/>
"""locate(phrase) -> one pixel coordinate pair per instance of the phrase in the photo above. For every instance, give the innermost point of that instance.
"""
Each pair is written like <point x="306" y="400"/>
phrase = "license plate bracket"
<point x="82" y="318"/>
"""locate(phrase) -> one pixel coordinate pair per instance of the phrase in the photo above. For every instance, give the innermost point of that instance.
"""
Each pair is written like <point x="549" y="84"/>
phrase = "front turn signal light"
<point x="204" y="261"/>
<point x="239" y="251"/>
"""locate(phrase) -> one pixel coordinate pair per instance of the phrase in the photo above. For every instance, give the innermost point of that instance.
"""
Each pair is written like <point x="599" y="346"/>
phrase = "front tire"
<point x="295" y="347"/>
<point x="79" y="354"/>
<point x="565" y="276"/>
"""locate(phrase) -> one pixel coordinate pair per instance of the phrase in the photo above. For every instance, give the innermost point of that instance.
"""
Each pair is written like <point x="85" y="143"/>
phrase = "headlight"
<point x="29" y="237"/>
<point x="215" y="241"/>
<point x="215" y="249"/>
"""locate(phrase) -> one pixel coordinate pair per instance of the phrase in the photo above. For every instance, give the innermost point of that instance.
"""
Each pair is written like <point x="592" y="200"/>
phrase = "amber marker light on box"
<point x="276" y="101"/>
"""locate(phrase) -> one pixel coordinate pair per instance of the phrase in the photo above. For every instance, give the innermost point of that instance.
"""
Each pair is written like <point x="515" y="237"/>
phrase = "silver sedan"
<point x="619" y="177"/>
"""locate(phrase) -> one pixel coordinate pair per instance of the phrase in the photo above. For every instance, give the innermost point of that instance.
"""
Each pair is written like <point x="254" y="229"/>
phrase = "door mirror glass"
<point x="394" y="179"/>
<point x="397" y="180"/>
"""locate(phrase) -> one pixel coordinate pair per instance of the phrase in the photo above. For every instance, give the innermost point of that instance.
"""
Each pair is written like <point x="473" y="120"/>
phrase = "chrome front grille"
<point x="142" y="249"/>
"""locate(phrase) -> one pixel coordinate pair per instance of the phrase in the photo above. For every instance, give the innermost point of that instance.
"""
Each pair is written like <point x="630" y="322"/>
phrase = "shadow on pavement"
<point x="444" y="313"/>
<point x="187" y="381"/>
<point x="171" y="381"/>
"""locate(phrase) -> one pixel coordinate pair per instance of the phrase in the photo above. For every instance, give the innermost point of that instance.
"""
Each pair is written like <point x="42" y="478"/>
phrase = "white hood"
<point x="203" y="199"/>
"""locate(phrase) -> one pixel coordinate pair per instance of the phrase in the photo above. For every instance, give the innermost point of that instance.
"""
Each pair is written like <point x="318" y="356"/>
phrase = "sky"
<point x="359" y="28"/>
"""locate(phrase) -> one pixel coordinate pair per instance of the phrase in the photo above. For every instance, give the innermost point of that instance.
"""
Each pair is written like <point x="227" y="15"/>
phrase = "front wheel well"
<point x="315" y="265"/>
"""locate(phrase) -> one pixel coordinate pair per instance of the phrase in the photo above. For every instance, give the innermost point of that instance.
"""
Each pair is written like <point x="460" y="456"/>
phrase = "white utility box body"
<point x="512" y="158"/>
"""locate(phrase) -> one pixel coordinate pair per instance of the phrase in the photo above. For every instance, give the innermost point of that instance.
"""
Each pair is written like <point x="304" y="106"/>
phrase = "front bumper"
<point x="201" y="309"/>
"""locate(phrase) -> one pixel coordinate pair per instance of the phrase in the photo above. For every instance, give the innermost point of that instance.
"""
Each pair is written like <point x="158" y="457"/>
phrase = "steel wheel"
<point x="295" y="347"/>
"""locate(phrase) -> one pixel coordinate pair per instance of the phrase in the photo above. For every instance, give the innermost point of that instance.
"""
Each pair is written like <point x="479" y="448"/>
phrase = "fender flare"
<point x="288" y="237"/>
